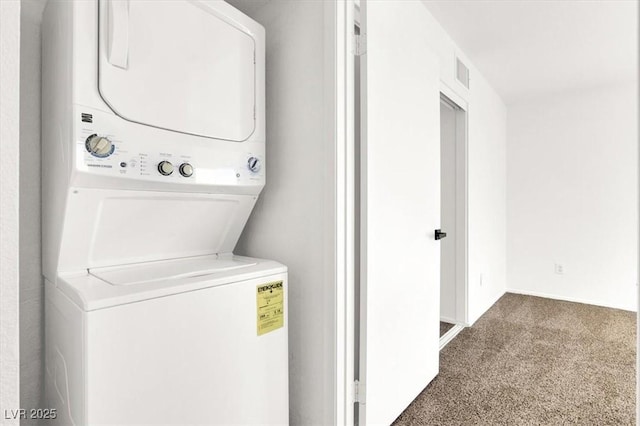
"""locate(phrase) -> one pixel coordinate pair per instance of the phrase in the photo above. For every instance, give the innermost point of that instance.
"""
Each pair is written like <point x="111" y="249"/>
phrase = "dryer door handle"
<point x="118" y="32"/>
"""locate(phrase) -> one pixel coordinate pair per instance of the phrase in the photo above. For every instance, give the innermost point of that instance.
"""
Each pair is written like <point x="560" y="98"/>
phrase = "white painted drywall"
<point x="9" y="198"/>
<point x="487" y="197"/>
<point x="294" y="216"/>
<point x="31" y="282"/>
<point x="572" y="196"/>
<point x="487" y="121"/>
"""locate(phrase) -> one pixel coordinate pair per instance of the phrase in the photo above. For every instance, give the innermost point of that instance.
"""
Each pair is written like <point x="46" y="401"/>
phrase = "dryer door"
<point x="185" y="66"/>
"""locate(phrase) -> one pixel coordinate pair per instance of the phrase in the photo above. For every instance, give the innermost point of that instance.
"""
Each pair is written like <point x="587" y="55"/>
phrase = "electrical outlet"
<point x="559" y="269"/>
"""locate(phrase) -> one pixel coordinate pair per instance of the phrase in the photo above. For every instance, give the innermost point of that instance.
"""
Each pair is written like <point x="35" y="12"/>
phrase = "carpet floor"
<point x="444" y="327"/>
<point x="535" y="361"/>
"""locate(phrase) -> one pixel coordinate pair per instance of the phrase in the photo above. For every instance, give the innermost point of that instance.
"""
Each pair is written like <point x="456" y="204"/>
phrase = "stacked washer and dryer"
<point x="153" y="158"/>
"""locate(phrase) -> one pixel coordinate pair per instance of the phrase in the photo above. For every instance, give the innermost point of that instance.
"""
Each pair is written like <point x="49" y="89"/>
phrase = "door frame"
<point x="461" y="106"/>
<point x="339" y="110"/>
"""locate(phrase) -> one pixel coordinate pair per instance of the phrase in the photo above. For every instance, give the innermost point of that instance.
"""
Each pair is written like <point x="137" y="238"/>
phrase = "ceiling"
<point x="526" y="48"/>
<point x="530" y="48"/>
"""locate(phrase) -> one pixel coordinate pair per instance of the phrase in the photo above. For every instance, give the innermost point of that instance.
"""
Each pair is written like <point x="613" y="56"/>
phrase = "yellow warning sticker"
<point x="270" y="304"/>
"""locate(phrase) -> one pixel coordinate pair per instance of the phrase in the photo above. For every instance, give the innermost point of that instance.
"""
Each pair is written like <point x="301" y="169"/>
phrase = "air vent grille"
<point x="462" y="73"/>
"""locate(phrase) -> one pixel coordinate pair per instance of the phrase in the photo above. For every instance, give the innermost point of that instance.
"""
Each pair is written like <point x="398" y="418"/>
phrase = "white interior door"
<point x="400" y="258"/>
<point x="187" y="66"/>
<point x="448" y="290"/>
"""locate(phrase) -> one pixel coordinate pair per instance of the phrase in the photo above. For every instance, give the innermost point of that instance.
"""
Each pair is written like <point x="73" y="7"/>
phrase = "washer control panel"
<point x="165" y="158"/>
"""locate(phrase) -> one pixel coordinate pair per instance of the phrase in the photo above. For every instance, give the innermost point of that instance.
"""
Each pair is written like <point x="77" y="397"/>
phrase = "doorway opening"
<point x="453" y="212"/>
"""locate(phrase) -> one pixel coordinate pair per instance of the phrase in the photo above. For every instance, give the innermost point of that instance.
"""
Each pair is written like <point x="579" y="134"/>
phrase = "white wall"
<point x="572" y="196"/>
<point x="31" y="282"/>
<point x="9" y="220"/>
<point x="487" y="198"/>
<point x="293" y="221"/>
<point x="487" y="121"/>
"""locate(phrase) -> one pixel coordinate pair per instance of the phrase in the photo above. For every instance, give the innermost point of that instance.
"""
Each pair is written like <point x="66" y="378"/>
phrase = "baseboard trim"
<point x="566" y="299"/>
<point x="449" y="320"/>
<point x="449" y="335"/>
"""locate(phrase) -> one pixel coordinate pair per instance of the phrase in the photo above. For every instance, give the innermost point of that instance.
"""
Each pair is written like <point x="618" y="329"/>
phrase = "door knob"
<point x="440" y="235"/>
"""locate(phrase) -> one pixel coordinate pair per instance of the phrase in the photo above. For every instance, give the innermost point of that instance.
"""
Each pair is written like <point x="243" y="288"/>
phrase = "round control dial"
<point x="99" y="146"/>
<point x="186" y="169"/>
<point x="165" y="168"/>
<point x="254" y="164"/>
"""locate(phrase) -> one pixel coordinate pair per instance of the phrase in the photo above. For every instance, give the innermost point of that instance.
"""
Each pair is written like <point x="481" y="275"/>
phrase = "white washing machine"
<point x="153" y="158"/>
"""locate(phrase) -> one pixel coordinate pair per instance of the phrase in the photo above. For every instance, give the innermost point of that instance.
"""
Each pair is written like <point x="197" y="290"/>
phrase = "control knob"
<point x="99" y="146"/>
<point x="253" y="163"/>
<point x="186" y="169"/>
<point x="165" y="168"/>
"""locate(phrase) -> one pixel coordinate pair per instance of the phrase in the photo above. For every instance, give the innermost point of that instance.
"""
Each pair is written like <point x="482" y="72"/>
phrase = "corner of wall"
<point x="9" y="217"/>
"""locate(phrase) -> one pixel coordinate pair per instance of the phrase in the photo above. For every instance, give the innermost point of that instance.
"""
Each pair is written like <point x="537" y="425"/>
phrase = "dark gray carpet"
<point x="444" y="327"/>
<point x="535" y="361"/>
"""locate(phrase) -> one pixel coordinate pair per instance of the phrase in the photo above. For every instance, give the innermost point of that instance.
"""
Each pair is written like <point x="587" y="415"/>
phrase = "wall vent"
<point x="462" y="73"/>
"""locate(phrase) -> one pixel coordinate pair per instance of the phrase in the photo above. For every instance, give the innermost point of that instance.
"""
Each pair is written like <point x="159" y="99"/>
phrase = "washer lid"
<point x="191" y="267"/>
<point x="92" y="291"/>
<point x="179" y="65"/>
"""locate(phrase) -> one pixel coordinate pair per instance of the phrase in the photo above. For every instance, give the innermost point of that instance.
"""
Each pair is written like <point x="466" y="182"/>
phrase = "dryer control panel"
<point x="106" y="145"/>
